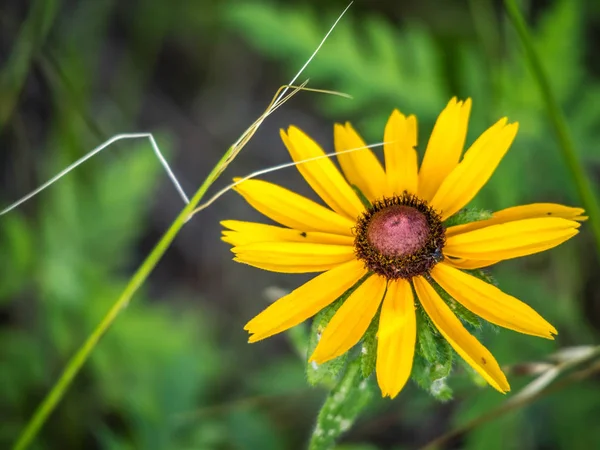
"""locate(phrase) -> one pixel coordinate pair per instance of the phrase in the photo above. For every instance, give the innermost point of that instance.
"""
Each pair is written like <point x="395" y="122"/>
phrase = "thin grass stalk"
<point x="559" y="123"/>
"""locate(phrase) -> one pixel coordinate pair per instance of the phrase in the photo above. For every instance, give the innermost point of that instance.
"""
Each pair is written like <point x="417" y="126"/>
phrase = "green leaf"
<point x="368" y="350"/>
<point x="467" y="215"/>
<point x="433" y="359"/>
<point x="431" y="376"/>
<point x="299" y="337"/>
<point x="426" y="337"/>
<point x="342" y="406"/>
<point x="432" y="346"/>
<point x="18" y="253"/>
<point x="32" y="35"/>
<point x="327" y="373"/>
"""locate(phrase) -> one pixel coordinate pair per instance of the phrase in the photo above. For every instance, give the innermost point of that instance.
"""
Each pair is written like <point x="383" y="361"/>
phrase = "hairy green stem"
<point x="76" y="362"/>
<point x="584" y="187"/>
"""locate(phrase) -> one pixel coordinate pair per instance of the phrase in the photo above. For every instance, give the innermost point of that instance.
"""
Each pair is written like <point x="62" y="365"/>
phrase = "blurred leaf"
<point x="31" y="37"/>
<point x="18" y="252"/>
<point x="467" y="215"/>
<point x="280" y="377"/>
<point x="250" y="430"/>
<point x="355" y="447"/>
<point x="299" y="336"/>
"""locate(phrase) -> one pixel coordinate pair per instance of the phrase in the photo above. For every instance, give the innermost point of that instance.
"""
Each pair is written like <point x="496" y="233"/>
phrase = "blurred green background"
<point x="175" y="371"/>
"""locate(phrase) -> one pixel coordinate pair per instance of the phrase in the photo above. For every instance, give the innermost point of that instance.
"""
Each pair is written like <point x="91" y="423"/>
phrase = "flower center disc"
<point x="398" y="230"/>
<point x="400" y="237"/>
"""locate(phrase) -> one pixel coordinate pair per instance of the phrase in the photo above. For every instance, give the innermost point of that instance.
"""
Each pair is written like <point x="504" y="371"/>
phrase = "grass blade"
<point x="559" y="123"/>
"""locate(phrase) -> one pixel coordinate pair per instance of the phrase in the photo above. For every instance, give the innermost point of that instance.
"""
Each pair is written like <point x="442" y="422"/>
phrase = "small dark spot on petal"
<point x="549" y="213"/>
<point x="303" y="234"/>
<point x="483" y="360"/>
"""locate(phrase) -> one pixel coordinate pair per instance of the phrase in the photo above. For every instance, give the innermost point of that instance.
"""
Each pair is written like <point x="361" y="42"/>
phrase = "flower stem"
<point x="77" y="361"/>
<point x="584" y="187"/>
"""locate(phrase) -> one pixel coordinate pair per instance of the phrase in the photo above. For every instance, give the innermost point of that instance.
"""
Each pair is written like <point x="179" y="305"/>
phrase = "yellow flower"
<point x="400" y="240"/>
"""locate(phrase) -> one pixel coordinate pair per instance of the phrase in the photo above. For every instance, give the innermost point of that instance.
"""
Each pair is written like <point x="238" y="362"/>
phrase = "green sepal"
<point x="433" y="359"/>
<point x="368" y="348"/>
<point x="432" y="377"/>
<point x="430" y="344"/>
<point x="364" y="200"/>
<point x="343" y="404"/>
<point x="486" y="276"/>
<point x="483" y="275"/>
<point x="426" y="339"/>
<point x="440" y="390"/>
<point x="466" y="316"/>
<point x="467" y="215"/>
<point x="328" y="372"/>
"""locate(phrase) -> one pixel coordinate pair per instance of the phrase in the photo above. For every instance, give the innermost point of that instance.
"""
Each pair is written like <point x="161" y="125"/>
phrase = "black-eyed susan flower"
<point x="395" y="242"/>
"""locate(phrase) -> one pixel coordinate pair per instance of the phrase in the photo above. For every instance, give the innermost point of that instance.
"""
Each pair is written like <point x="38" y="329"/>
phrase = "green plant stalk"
<point x="78" y="360"/>
<point x="584" y="187"/>
<point x="32" y="36"/>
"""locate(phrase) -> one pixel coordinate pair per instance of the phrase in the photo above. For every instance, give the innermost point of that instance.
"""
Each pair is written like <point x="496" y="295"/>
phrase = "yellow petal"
<point x="468" y="264"/>
<point x="242" y="233"/>
<point x="490" y="303"/>
<point x="521" y="212"/>
<point x="321" y="174"/>
<point x="362" y="168"/>
<point x="400" y="140"/>
<point x="476" y="168"/>
<point x="305" y="301"/>
<point x="350" y="322"/>
<point x="291" y="209"/>
<point x="469" y="348"/>
<point x="511" y="239"/>
<point x="444" y="147"/>
<point x="293" y="257"/>
<point x="396" y="338"/>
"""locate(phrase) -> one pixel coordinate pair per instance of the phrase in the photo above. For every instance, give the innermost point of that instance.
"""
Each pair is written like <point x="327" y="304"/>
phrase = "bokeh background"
<point x="175" y="371"/>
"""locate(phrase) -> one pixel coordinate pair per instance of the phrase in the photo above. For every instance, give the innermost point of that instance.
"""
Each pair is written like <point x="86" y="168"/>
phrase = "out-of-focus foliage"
<point x="173" y="373"/>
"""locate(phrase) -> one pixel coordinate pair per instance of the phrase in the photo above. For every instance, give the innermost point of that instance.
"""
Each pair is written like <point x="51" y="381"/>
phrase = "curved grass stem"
<point x="559" y="123"/>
